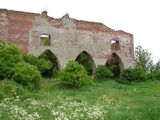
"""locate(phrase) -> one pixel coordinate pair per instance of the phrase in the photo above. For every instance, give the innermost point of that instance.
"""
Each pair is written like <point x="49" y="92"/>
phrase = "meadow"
<point x="104" y="100"/>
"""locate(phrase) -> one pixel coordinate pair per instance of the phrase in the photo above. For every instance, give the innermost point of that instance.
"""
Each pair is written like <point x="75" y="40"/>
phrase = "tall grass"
<point x="106" y="99"/>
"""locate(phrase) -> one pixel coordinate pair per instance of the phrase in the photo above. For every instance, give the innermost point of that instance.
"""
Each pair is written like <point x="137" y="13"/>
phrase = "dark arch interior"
<point x="48" y="55"/>
<point x="86" y="60"/>
<point x="114" y="62"/>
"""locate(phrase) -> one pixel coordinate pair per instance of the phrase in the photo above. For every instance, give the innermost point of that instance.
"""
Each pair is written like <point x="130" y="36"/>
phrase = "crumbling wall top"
<point x="80" y="24"/>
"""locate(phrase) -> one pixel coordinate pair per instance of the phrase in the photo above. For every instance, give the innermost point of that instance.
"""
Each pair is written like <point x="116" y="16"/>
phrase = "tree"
<point x="143" y="59"/>
<point x="157" y="66"/>
<point x="155" y="72"/>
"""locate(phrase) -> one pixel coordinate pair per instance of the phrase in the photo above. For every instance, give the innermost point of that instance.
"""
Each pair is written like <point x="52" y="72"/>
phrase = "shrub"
<point x="27" y="75"/>
<point x="42" y="64"/>
<point x="74" y="75"/>
<point x="103" y="72"/>
<point x="84" y="59"/>
<point x="50" y="57"/>
<point x="10" y="55"/>
<point x="154" y="75"/>
<point x="136" y="74"/>
<point x="115" y="69"/>
<point x="10" y="88"/>
<point x="127" y="74"/>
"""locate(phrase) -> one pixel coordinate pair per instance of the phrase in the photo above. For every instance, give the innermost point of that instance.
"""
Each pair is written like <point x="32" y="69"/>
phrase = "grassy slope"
<point x="137" y="101"/>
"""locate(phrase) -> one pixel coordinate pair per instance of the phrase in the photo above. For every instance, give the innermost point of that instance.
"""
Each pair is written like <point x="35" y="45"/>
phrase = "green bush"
<point x="51" y="58"/>
<point x="127" y="74"/>
<point x="84" y="59"/>
<point x="115" y="69"/>
<point x="136" y="74"/>
<point x="154" y="75"/>
<point x="10" y="88"/>
<point x="27" y="75"/>
<point x="103" y="72"/>
<point x="43" y="65"/>
<point x="74" y="75"/>
<point x="10" y="55"/>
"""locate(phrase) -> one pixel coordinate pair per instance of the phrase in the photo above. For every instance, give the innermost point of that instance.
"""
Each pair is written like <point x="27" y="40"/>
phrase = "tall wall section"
<point x="68" y="37"/>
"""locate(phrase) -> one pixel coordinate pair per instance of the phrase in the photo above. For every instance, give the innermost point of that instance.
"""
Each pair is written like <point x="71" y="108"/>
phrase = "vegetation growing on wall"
<point x="45" y="40"/>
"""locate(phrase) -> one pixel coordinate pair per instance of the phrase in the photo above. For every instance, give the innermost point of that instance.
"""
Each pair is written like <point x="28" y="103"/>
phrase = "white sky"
<point x="139" y="17"/>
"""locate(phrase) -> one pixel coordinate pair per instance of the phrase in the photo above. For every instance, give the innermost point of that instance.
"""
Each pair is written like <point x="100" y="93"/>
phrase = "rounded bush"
<point x="27" y="75"/>
<point x="74" y="75"/>
<point x="155" y="75"/>
<point x="136" y="74"/>
<point x="10" y="55"/>
<point x="103" y="72"/>
<point x="127" y="74"/>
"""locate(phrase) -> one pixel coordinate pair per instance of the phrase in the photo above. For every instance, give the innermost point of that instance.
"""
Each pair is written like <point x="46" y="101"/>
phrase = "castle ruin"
<point x="66" y="38"/>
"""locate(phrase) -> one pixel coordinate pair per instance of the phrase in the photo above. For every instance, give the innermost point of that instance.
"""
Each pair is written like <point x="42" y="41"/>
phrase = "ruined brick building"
<point x="66" y="38"/>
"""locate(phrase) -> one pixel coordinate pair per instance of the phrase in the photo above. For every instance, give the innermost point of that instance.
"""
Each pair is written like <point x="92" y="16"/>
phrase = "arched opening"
<point x="115" y="45"/>
<point x="49" y="56"/>
<point x="114" y="62"/>
<point x="45" y="40"/>
<point x="86" y="60"/>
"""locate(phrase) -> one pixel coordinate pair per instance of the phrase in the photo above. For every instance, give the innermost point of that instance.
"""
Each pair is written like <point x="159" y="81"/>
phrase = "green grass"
<point x="136" y="101"/>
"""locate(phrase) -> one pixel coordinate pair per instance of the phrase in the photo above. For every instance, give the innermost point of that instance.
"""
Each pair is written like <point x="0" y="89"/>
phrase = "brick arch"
<point x="115" y="57"/>
<point x="91" y="59"/>
<point x="53" y="55"/>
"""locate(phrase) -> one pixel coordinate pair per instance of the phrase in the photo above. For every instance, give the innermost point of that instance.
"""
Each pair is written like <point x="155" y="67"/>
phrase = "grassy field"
<point x="106" y="99"/>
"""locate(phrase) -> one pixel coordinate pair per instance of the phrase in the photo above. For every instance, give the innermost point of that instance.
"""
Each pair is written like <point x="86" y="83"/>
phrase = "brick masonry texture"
<point x="68" y="37"/>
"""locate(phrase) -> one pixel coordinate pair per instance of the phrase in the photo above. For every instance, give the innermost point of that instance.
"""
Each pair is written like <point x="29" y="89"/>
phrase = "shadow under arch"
<point x="87" y="61"/>
<point x="115" y="63"/>
<point x="48" y="55"/>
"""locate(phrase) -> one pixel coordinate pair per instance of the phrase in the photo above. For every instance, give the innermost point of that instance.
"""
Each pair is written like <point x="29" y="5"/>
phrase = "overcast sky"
<point x="139" y="17"/>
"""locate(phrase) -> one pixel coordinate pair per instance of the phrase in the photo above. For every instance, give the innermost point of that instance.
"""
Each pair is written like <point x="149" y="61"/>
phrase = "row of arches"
<point x="87" y="61"/>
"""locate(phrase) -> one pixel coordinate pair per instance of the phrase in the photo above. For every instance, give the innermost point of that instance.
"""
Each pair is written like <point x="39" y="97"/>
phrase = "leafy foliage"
<point x="143" y="59"/>
<point x="45" y="40"/>
<point x="115" y="69"/>
<point x="84" y="59"/>
<point x="42" y="64"/>
<point x="10" y="55"/>
<point x="27" y="75"/>
<point x="10" y="88"/>
<point x="136" y="74"/>
<point x="49" y="56"/>
<point x="74" y="75"/>
<point x="103" y="72"/>
<point x="155" y="73"/>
